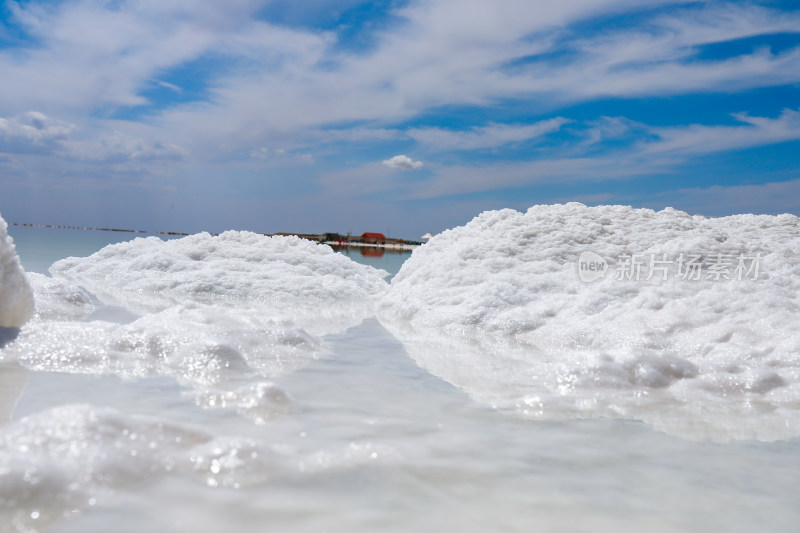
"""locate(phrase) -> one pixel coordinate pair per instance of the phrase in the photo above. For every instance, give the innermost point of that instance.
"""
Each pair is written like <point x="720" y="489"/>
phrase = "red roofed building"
<point x="373" y="238"/>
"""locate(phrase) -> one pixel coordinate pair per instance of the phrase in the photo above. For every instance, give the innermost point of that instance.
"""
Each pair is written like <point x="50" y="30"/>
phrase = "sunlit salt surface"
<point x="199" y="345"/>
<point x="56" y="299"/>
<point x="278" y="276"/>
<point x="16" y="298"/>
<point x="178" y="412"/>
<point x="499" y="308"/>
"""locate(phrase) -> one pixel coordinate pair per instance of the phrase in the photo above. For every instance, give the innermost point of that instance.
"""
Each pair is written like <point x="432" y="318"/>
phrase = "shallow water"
<point x="367" y="441"/>
<point x="40" y="247"/>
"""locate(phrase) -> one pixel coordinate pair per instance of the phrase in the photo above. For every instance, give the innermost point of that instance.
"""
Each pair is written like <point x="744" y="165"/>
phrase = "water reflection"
<point x="372" y="252"/>
<point x="388" y="259"/>
<point x="13" y="379"/>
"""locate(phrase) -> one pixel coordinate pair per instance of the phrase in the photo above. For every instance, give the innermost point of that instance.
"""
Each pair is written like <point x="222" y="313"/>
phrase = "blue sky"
<point x="393" y="116"/>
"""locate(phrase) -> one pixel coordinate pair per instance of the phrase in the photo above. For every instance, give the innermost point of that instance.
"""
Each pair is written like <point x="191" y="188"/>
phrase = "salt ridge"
<point x="284" y="277"/>
<point x="201" y="346"/>
<point x="219" y="314"/>
<point x="497" y="308"/>
<point x="56" y="299"/>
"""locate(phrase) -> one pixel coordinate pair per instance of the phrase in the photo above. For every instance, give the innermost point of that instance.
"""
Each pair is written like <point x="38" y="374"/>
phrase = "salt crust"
<point x="497" y="308"/>
<point x="280" y="277"/>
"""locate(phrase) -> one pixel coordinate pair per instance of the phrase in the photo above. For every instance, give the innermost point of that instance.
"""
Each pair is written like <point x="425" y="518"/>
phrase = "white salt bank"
<point x="686" y="322"/>
<point x="281" y="277"/>
<point x="57" y="299"/>
<point x="16" y="297"/>
<point x="219" y="313"/>
<point x="201" y="346"/>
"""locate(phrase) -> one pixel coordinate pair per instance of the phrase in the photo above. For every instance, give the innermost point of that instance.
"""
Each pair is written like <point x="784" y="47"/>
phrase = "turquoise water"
<point x="40" y="247"/>
<point x="388" y="260"/>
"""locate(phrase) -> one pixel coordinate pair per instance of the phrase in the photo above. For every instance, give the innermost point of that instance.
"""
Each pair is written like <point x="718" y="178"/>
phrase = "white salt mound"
<point x="16" y="297"/>
<point x="219" y="314"/>
<point x="201" y="346"/>
<point x="57" y="299"/>
<point x="284" y="277"/>
<point x="498" y="308"/>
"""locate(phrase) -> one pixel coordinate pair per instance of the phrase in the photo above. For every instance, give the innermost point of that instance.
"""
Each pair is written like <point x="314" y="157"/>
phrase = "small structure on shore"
<point x="373" y="238"/>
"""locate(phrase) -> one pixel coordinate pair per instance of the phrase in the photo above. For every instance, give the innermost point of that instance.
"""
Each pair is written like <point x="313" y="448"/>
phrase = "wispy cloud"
<point x="117" y="147"/>
<point x="718" y="200"/>
<point x="699" y="139"/>
<point x="281" y="156"/>
<point x="464" y="179"/>
<point x="274" y="80"/>
<point x="490" y="136"/>
<point x="664" y="151"/>
<point x="660" y="56"/>
<point x="170" y="86"/>
<point x="605" y="129"/>
<point x="87" y="56"/>
<point x="61" y="143"/>
<point x="33" y="132"/>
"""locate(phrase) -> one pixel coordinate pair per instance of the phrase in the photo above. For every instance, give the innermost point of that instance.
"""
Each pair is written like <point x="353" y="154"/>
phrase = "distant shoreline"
<point x="60" y="226"/>
<point x="331" y="239"/>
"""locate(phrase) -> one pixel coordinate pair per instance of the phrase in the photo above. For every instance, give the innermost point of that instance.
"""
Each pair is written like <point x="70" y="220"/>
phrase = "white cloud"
<point x="665" y="151"/>
<point x="171" y="86"/>
<point x="403" y="162"/>
<point x="765" y="198"/>
<point x="759" y="69"/>
<point x="658" y="57"/>
<point x="33" y="132"/>
<point x="116" y="147"/>
<point x="612" y="128"/>
<point x="42" y="142"/>
<point x="725" y="22"/>
<point x="281" y="156"/>
<point x="678" y="35"/>
<point x="699" y="139"/>
<point x="355" y="135"/>
<point x="91" y="54"/>
<point x="490" y="136"/>
<point x="669" y="150"/>
<point x="260" y="153"/>
<point x="462" y="179"/>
